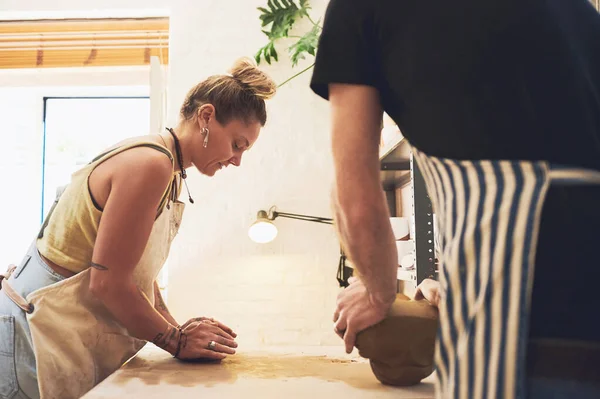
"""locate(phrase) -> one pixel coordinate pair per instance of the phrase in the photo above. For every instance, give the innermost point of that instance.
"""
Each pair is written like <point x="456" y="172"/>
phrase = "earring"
<point x="205" y="132"/>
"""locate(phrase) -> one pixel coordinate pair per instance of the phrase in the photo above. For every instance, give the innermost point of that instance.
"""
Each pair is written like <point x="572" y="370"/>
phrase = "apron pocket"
<point x="8" y="382"/>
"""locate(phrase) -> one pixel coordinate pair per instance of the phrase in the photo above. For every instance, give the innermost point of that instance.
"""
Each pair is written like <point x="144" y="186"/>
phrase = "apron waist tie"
<point x="11" y="293"/>
<point x="565" y="175"/>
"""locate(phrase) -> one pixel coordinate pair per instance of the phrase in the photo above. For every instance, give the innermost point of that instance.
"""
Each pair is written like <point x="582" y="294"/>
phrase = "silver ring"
<point x="212" y="345"/>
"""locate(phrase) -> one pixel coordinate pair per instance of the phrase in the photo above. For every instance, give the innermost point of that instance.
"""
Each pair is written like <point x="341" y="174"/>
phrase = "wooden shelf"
<point x="389" y="147"/>
<point x="395" y="163"/>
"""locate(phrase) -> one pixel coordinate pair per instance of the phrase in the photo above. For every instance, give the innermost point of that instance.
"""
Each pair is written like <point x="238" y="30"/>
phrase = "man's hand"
<point x="357" y="310"/>
<point x="209" y="320"/>
<point x="429" y="289"/>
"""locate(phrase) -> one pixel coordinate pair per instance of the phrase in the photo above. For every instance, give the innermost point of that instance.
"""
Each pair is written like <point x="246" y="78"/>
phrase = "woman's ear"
<point x="205" y="113"/>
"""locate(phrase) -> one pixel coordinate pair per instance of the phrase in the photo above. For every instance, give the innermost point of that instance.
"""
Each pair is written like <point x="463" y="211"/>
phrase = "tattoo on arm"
<point x="162" y="339"/>
<point x="158" y="341"/>
<point x="161" y="302"/>
<point x="98" y="266"/>
<point x="171" y="338"/>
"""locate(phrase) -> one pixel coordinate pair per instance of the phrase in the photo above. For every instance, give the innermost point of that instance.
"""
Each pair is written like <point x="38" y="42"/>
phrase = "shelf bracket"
<point x="423" y="222"/>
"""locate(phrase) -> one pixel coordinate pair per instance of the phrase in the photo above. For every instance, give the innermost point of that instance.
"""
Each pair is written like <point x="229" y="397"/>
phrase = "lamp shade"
<point x="263" y="230"/>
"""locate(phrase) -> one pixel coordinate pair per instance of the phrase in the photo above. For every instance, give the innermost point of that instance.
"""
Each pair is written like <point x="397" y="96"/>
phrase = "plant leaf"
<point x="281" y="14"/>
<point x="266" y="52"/>
<point x="277" y="19"/>
<point x="306" y="44"/>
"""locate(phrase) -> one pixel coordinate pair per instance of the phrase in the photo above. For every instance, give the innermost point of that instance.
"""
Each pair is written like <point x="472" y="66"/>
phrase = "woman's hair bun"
<point x="245" y="71"/>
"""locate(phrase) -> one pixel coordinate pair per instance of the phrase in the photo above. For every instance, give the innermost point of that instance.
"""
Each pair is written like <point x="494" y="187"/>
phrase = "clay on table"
<point x="401" y="347"/>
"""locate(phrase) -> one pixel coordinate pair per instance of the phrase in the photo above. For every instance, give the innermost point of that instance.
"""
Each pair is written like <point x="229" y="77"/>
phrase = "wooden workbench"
<point x="272" y="373"/>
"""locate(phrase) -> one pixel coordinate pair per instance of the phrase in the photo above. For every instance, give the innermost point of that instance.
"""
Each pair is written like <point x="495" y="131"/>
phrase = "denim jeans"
<point x="18" y="376"/>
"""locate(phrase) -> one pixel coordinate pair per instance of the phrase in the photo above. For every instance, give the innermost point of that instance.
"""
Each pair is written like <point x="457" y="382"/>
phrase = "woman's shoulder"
<point x="151" y="143"/>
<point x="145" y="157"/>
<point x="134" y="167"/>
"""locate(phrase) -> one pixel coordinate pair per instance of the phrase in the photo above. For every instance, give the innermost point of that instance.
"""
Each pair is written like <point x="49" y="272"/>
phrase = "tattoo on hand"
<point x="98" y="266"/>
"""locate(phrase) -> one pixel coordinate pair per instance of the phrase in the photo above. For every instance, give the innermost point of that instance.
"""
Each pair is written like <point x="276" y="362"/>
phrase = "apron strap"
<point x="59" y="191"/>
<point x="11" y="293"/>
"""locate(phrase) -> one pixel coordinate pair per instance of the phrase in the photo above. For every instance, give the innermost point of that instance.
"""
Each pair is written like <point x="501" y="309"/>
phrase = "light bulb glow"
<point x="262" y="232"/>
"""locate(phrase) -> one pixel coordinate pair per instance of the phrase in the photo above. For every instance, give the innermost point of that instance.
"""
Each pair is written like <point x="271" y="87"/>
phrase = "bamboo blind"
<point x="83" y="42"/>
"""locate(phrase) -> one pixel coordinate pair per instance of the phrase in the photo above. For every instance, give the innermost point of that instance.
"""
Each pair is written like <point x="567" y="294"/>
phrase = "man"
<point x="500" y="102"/>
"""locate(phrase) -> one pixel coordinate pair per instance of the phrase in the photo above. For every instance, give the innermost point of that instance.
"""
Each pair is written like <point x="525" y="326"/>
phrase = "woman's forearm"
<point x="131" y="307"/>
<point x="161" y="306"/>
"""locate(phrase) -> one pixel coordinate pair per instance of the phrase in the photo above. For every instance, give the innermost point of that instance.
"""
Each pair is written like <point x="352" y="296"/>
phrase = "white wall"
<point x="282" y="293"/>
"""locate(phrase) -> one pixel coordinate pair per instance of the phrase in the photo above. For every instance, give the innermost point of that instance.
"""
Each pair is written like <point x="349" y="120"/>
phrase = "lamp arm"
<point x="316" y="219"/>
<point x="342" y="269"/>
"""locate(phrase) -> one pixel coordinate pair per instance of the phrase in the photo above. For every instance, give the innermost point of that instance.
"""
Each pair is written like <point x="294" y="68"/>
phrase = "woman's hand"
<point x="209" y="320"/>
<point x="196" y="338"/>
<point x="429" y="289"/>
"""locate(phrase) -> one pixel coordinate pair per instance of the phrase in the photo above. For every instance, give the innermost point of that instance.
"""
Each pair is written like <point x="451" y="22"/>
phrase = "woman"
<point x="499" y="103"/>
<point x="85" y="299"/>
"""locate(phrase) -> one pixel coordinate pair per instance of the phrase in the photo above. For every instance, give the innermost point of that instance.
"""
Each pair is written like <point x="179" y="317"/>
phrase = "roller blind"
<point x="83" y="42"/>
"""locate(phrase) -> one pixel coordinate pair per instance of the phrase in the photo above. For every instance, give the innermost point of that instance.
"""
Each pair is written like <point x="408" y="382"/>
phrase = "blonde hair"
<point x="239" y="95"/>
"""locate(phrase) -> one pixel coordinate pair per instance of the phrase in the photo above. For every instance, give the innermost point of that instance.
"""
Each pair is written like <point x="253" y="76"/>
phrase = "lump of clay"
<point x="401" y="347"/>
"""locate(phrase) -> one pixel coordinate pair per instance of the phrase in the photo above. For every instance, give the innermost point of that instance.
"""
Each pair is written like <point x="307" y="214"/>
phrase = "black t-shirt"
<point x="474" y="79"/>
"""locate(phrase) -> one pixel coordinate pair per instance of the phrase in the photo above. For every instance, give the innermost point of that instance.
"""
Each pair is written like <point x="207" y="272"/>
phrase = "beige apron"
<point x="77" y="341"/>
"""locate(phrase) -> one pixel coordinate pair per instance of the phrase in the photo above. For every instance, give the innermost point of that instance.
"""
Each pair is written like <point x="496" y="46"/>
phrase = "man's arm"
<point x="361" y="211"/>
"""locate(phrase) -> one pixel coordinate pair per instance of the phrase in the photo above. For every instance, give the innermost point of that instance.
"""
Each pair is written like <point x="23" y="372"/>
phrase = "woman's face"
<point x="226" y="143"/>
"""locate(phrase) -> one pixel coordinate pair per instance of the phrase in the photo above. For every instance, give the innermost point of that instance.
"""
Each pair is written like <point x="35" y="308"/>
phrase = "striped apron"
<point x="489" y="215"/>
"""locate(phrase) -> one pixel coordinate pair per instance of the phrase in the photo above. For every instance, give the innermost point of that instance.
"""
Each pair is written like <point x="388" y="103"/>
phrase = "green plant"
<point x="277" y="20"/>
